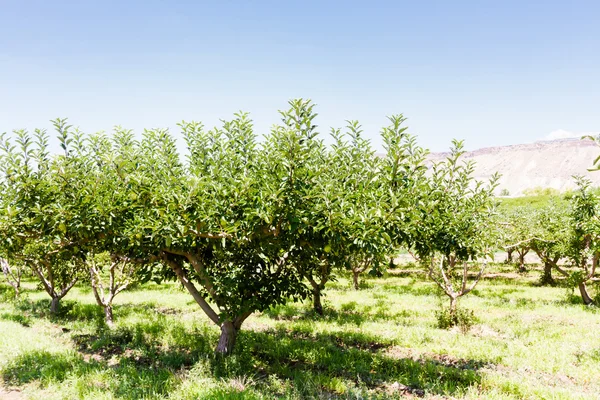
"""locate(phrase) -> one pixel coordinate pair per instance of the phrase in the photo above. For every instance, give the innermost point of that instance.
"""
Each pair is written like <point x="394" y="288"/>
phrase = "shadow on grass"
<point x="24" y="320"/>
<point x="125" y="380"/>
<point x="70" y="310"/>
<point x="350" y="313"/>
<point x="415" y="287"/>
<point x="143" y="360"/>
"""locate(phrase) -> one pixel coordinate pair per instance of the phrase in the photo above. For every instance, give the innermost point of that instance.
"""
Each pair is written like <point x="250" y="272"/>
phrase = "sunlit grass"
<point x="379" y="342"/>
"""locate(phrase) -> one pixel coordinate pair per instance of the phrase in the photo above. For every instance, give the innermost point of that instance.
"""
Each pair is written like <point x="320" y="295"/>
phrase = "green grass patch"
<point x="383" y="341"/>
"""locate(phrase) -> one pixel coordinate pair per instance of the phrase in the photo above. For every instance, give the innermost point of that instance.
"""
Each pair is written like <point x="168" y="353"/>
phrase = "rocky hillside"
<point x="546" y="164"/>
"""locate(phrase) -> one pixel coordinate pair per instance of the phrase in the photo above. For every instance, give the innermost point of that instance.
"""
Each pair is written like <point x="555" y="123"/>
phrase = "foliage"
<point x="456" y="227"/>
<point x="583" y="243"/>
<point x="464" y="319"/>
<point x="45" y="216"/>
<point x="240" y="222"/>
<point x="596" y="162"/>
<point x="518" y="232"/>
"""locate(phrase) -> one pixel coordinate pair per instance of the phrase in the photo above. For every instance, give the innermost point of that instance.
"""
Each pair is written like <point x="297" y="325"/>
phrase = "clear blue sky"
<point x="489" y="72"/>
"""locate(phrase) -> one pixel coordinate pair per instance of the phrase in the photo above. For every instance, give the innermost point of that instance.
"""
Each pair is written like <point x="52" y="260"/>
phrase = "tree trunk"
<point x="55" y="305"/>
<point x="317" y="306"/>
<point x="509" y="256"/>
<point x="355" y="275"/>
<point x="587" y="300"/>
<point x="108" y="314"/>
<point x="547" y="278"/>
<point x="453" y="305"/>
<point x="522" y="262"/>
<point x="227" y="339"/>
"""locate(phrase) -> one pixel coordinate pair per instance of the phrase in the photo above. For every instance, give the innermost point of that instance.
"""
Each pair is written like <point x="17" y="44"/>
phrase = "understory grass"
<point x="383" y="341"/>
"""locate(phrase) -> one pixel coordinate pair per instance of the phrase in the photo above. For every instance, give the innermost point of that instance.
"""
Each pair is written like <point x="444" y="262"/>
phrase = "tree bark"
<point x="316" y="289"/>
<point x="547" y="278"/>
<point x="55" y="305"/>
<point x="453" y="305"/>
<point x="227" y="339"/>
<point x="317" y="306"/>
<point x="355" y="275"/>
<point x="108" y="314"/>
<point x="178" y="269"/>
<point x="587" y="300"/>
<point x="509" y="256"/>
<point x="522" y="262"/>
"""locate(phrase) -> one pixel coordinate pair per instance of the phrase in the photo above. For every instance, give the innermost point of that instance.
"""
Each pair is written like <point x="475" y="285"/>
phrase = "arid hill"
<point x="545" y="164"/>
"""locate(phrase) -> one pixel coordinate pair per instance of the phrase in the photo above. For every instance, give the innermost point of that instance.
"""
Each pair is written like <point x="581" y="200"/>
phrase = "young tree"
<point x="550" y="225"/>
<point x="226" y="222"/>
<point x="359" y="239"/>
<point x="405" y="183"/>
<point x="583" y="246"/>
<point x="353" y="202"/>
<point x="111" y="170"/>
<point x="43" y="218"/>
<point x="518" y="233"/>
<point x="456" y="227"/>
<point x="120" y="272"/>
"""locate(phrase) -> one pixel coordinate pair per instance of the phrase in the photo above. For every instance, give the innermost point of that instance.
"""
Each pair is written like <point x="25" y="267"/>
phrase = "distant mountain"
<point x="545" y="164"/>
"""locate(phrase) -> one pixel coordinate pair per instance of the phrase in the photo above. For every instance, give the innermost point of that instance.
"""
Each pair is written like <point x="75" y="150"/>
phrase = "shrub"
<point x="463" y="318"/>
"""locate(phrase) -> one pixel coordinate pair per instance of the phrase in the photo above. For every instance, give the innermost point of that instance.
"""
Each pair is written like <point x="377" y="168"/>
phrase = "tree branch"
<point x="177" y="268"/>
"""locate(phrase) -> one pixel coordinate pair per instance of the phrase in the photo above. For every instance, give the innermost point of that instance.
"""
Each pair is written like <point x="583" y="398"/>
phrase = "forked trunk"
<point x="587" y="300"/>
<point x="317" y="306"/>
<point x="227" y="339"/>
<point x="317" y="288"/>
<point x="355" y="275"/>
<point x="55" y="305"/>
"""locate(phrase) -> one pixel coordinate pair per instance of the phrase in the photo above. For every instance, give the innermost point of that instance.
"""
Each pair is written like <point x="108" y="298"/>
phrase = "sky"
<point x="489" y="72"/>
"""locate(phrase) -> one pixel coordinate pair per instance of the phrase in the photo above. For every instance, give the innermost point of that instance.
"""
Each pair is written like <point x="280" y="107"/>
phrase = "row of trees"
<point x="564" y="234"/>
<point x="243" y="222"/>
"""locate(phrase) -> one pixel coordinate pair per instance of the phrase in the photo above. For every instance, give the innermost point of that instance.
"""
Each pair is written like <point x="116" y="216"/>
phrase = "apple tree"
<point x="44" y="218"/>
<point x="456" y="229"/>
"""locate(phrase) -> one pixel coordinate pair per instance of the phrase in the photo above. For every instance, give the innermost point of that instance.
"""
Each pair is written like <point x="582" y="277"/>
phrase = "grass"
<point x="382" y="342"/>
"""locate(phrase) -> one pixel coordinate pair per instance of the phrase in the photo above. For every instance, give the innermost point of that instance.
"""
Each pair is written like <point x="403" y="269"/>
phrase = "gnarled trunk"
<point x="317" y="287"/>
<point x="355" y="275"/>
<point x="587" y="300"/>
<point x="227" y="339"/>
<point x="55" y="305"/>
